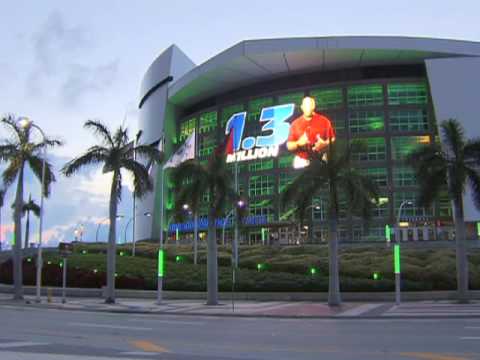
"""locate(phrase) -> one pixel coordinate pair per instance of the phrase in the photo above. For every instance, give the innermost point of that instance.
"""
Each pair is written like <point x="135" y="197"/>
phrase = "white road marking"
<point x="173" y="322"/>
<point x="106" y="326"/>
<point x="20" y="344"/>
<point x="138" y="353"/>
<point x="472" y="327"/>
<point x="470" y="338"/>
<point x="358" y="310"/>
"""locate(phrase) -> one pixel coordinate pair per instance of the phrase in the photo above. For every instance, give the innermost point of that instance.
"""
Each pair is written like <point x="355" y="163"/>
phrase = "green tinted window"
<point x="255" y="108"/>
<point x="378" y="175"/>
<point x="284" y="180"/>
<point x="365" y="95"/>
<point x="228" y="111"/>
<point x="408" y="93"/>
<point x="206" y="146"/>
<point x="374" y="150"/>
<point x="444" y="205"/>
<point x="404" y="145"/>
<point x="403" y="176"/>
<point x="207" y="122"/>
<point x="259" y="165"/>
<point x="260" y="185"/>
<point x="327" y="98"/>
<point x="409" y="120"/>
<point x="294" y="98"/>
<point x="286" y="161"/>
<point x="262" y="208"/>
<point x="186" y="128"/>
<point x="337" y="119"/>
<point x="366" y="120"/>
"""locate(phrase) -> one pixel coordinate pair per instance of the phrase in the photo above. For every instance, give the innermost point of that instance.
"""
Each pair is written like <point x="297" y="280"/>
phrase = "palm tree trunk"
<point x="212" y="264"/>
<point x="333" y="272"/>
<point x="27" y="230"/>
<point x="111" y="249"/>
<point x="17" y="247"/>
<point x="461" y="253"/>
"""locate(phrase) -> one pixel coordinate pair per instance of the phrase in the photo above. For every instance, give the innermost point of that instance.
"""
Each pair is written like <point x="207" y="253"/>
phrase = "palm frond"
<point x="471" y="151"/>
<point x="8" y="151"/>
<point x="453" y="136"/>
<point x="474" y="182"/>
<point x="11" y="172"/>
<point x="149" y="152"/>
<point x="48" y="143"/>
<point x="141" y="180"/>
<point x="2" y="197"/>
<point x="94" y="155"/>
<point x="36" y="164"/>
<point x="32" y="206"/>
<point x="99" y="128"/>
<point x="10" y="123"/>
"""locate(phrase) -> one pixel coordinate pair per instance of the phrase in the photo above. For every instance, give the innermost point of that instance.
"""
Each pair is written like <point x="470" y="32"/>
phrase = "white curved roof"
<point x="252" y="61"/>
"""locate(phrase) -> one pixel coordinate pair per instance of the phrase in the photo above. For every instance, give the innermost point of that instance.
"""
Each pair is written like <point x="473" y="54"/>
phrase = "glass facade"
<point x="390" y="117"/>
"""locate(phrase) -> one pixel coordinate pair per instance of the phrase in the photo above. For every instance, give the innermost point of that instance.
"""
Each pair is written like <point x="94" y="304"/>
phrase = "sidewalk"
<point x="278" y="309"/>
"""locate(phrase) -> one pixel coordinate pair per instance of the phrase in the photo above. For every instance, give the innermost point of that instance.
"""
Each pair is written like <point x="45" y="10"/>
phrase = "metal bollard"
<point x="49" y="295"/>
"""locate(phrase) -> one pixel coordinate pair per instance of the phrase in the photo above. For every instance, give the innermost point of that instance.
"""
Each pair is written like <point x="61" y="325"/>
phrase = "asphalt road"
<point x="38" y="334"/>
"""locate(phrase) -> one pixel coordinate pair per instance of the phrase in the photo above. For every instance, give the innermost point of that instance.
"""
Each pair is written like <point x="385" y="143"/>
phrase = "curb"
<point x="232" y="315"/>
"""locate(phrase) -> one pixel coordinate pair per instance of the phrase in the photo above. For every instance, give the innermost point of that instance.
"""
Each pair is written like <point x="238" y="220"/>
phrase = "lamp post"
<point x="312" y="207"/>
<point x="396" y="253"/>
<point x="132" y="220"/>
<point x="25" y="123"/>
<point x="100" y="224"/>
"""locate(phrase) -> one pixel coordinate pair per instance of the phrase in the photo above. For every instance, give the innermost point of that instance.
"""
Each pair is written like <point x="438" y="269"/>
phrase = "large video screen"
<point x="304" y="132"/>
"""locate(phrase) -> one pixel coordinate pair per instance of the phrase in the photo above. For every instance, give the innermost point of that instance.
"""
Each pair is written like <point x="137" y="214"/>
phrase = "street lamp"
<point x="240" y="204"/>
<point x="100" y="224"/>
<point x="26" y="123"/>
<point x="396" y="252"/>
<point x="312" y="207"/>
<point x="148" y="214"/>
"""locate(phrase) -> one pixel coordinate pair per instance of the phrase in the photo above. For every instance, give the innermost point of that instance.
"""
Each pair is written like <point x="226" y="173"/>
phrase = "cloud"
<point x="57" y="51"/>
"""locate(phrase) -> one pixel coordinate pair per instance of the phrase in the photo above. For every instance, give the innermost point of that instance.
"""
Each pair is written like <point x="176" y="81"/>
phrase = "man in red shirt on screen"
<point x="309" y="133"/>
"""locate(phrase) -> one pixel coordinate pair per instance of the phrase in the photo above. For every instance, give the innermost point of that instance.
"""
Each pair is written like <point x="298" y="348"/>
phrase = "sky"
<point x="64" y="62"/>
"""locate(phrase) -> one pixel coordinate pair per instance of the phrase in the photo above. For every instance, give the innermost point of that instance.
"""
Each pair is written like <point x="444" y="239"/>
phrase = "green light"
<point x="161" y="263"/>
<point x="116" y="274"/>
<point x="178" y="258"/>
<point x="478" y="228"/>
<point x="61" y="264"/>
<point x="313" y="271"/>
<point x="122" y="253"/>
<point x="388" y="232"/>
<point x="49" y="262"/>
<point x="177" y="234"/>
<point x="264" y="235"/>
<point x="84" y="252"/>
<point x="29" y="260"/>
<point x="396" y="254"/>
<point x="376" y="276"/>
<point x="13" y="240"/>
<point x="95" y="271"/>
<point x="259" y="267"/>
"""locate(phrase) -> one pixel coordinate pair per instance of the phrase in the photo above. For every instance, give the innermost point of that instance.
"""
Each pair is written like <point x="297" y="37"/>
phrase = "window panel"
<point x="259" y="165"/>
<point x="207" y="122"/>
<point x="407" y="93"/>
<point x="375" y="150"/>
<point x="409" y="120"/>
<point x="366" y="120"/>
<point x="284" y="180"/>
<point x="186" y="128"/>
<point x="327" y="98"/>
<point x="262" y="208"/>
<point x="378" y="175"/>
<point x="337" y="119"/>
<point x="260" y="185"/>
<point x="228" y="111"/>
<point x="285" y="161"/>
<point x="365" y="95"/>
<point x="404" y="176"/>
<point x="404" y="145"/>
<point x="255" y="108"/>
<point x="206" y="146"/>
<point x="294" y="98"/>
<point x="444" y="205"/>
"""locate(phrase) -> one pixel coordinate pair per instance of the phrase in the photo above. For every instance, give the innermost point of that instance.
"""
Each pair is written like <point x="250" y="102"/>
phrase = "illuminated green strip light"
<point x="161" y="263"/>
<point x="396" y="255"/>
<point x="478" y="228"/>
<point x="387" y="233"/>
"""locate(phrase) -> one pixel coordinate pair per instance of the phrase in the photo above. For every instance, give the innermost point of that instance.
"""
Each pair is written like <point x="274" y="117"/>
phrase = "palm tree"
<point x="213" y="180"/>
<point x="451" y="165"/>
<point x="30" y="206"/>
<point x="2" y="198"/>
<point x="19" y="150"/>
<point x="337" y="176"/>
<point x="116" y="152"/>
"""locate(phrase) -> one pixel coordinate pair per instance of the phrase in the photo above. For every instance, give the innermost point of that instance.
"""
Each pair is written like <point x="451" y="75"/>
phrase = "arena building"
<point x="388" y="91"/>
